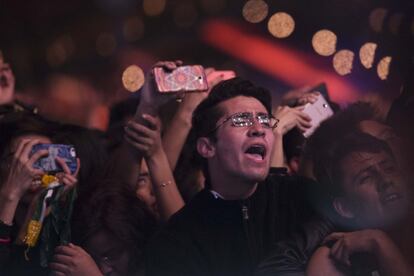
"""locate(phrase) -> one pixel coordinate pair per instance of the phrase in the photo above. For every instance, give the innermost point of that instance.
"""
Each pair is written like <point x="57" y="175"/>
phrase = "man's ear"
<point x="342" y="208"/>
<point x="205" y="147"/>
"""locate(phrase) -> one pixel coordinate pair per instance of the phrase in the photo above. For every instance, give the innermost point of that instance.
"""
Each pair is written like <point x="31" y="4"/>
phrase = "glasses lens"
<point x="265" y="120"/>
<point x="242" y="119"/>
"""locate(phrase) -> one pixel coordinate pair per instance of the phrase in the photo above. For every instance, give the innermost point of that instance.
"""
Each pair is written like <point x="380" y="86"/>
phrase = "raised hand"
<point x="150" y="97"/>
<point x="290" y="117"/>
<point x="145" y="139"/>
<point x="22" y="176"/>
<point x="66" y="177"/>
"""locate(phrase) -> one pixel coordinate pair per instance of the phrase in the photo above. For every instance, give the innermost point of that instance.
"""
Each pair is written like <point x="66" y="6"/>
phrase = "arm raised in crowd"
<point x="20" y="179"/>
<point x="289" y="117"/>
<point x="146" y="138"/>
<point x="176" y="133"/>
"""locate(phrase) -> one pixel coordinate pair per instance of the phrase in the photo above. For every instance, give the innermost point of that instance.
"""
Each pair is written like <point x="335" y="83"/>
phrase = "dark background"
<point x="49" y="38"/>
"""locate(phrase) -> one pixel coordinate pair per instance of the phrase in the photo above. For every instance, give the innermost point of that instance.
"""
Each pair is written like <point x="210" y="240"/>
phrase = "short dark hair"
<point x="207" y="113"/>
<point x="329" y="173"/>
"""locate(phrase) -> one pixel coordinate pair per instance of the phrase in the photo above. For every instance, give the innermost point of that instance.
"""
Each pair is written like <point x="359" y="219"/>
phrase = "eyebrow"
<point x="370" y="168"/>
<point x="367" y="169"/>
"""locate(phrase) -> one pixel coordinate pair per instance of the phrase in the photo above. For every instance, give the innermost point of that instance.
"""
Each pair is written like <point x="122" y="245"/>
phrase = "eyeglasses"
<point x="247" y="119"/>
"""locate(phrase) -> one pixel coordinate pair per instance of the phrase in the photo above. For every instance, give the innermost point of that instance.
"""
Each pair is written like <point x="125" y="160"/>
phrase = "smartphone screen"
<point x="189" y="78"/>
<point x="49" y="164"/>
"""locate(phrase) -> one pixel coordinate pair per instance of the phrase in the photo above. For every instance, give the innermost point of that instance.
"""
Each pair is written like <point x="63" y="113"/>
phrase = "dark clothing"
<point x="12" y="257"/>
<point x="211" y="236"/>
<point x="290" y="257"/>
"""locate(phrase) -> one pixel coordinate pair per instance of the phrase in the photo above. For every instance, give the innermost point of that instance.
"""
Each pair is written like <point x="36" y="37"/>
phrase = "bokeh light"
<point x="324" y="42"/>
<point x="255" y="11"/>
<point x="60" y="50"/>
<point x="383" y="67"/>
<point x="376" y="19"/>
<point x="133" y="78"/>
<point x="367" y="54"/>
<point x="153" y="7"/>
<point x="281" y="25"/>
<point x="343" y="62"/>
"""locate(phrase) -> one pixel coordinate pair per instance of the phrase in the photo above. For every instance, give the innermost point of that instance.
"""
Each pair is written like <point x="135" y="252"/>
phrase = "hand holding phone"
<point x="48" y="163"/>
<point x="190" y="78"/>
<point x="319" y="111"/>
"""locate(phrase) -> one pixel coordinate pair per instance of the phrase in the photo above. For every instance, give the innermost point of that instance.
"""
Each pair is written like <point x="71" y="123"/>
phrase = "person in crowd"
<point x="290" y="257"/>
<point x="370" y="198"/>
<point x="20" y="189"/>
<point x="110" y="231"/>
<point x="160" y="156"/>
<point x="228" y="227"/>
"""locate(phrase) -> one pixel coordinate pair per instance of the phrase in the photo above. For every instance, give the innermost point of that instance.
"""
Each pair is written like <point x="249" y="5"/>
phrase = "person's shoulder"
<point x="186" y="217"/>
<point x="288" y="182"/>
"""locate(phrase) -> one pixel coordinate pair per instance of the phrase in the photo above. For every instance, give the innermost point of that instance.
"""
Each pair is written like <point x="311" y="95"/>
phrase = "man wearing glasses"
<point x="230" y="226"/>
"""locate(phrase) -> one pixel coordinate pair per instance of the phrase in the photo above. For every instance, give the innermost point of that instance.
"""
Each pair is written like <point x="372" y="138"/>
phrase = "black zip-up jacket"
<point x="211" y="236"/>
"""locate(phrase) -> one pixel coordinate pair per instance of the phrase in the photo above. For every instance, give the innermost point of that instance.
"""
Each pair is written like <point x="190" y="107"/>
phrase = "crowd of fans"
<point x="228" y="186"/>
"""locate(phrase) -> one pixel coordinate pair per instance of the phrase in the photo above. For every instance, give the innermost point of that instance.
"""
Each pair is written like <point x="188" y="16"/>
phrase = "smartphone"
<point x="319" y="111"/>
<point x="190" y="78"/>
<point x="225" y="74"/>
<point x="49" y="164"/>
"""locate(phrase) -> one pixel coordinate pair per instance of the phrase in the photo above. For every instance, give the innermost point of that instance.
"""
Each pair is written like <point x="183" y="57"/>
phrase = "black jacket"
<point x="211" y="236"/>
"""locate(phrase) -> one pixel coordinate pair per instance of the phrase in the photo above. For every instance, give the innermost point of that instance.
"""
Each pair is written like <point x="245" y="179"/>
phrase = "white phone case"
<point x="319" y="111"/>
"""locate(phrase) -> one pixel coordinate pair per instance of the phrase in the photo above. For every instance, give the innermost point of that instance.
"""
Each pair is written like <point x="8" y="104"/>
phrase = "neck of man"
<point x="232" y="188"/>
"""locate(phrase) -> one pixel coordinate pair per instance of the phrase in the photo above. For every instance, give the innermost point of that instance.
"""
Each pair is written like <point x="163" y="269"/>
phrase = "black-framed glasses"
<point x="247" y="119"/>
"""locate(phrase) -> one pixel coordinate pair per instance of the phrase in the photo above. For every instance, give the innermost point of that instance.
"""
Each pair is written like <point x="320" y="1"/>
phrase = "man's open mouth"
<point x="257" y="151"/>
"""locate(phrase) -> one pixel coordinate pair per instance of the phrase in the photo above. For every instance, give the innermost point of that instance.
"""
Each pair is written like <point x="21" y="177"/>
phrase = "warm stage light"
<point x="281" y="25"/>
<point x="153" y="7"/>
<point x="284" y="63"/>
<point x="255" y="11"/>
<point x="60" y="50"/>
<point x="376" y="19"/>
<point x="342" y="62"/>
<point x="367" y="54"/>
<point x="383" y="67"/>
<point x="324" y="42"/>
<point x="133" y="78"/>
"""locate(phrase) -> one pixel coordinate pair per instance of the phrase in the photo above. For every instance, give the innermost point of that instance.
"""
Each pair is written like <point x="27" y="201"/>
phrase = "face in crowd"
<point x="244" y="141"/>
<point x="375" y="193"/>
